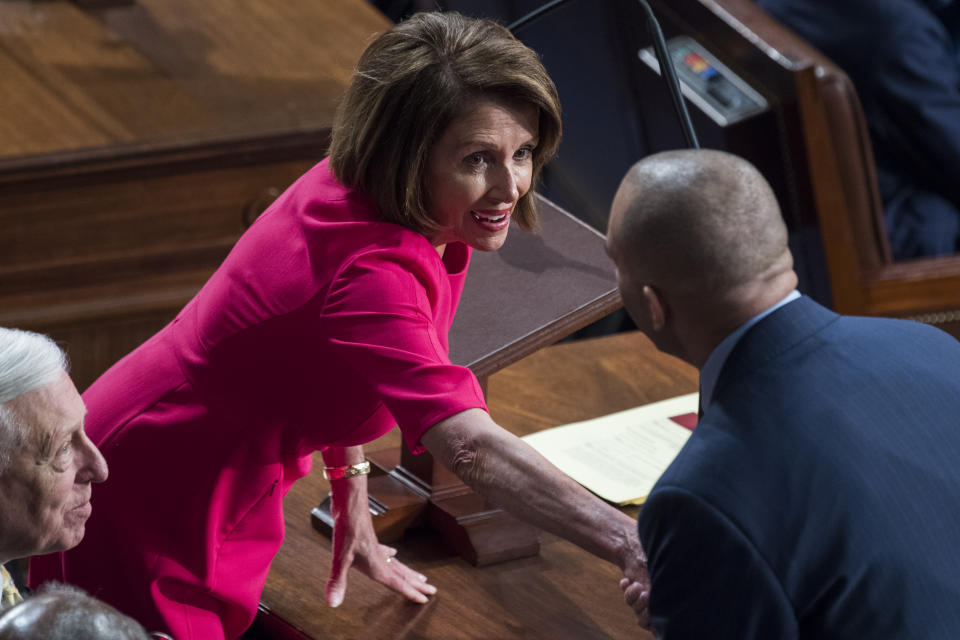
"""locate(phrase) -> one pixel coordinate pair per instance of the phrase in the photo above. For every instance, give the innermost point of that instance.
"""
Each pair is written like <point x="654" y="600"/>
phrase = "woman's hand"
<point x="355" y="544"/>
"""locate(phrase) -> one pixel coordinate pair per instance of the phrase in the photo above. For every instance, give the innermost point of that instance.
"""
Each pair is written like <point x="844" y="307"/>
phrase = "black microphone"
<point x="663" y="58"/>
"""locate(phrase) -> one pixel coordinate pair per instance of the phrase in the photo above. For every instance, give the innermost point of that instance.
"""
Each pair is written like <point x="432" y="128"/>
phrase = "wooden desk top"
<point x="564" y="593"/>
<point x="173" y="71"/>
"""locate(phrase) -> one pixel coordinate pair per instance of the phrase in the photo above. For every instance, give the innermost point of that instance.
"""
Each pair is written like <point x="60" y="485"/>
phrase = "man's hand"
<point x="636" y="581"/>
<point x="636" y="585"/>
<point x="637" y="597"/>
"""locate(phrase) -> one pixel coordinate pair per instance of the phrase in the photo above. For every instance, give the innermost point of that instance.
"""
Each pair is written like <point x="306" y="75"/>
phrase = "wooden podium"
<point x="536" y="290"/>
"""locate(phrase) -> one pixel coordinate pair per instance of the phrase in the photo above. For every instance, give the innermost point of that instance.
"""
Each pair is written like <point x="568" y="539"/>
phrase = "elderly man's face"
<point x="45" y="490"/>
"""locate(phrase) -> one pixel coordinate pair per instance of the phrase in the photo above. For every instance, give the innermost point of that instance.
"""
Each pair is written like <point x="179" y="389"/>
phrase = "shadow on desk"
<point x="561" y="594"/>
<point x="539" y="597"/>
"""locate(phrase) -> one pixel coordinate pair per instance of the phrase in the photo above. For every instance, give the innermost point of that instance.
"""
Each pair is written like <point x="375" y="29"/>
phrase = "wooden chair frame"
<point x="829" y="161"/>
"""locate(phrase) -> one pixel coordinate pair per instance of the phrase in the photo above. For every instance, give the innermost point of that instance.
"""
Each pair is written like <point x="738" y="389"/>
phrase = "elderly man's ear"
<point x="656" y="309"/>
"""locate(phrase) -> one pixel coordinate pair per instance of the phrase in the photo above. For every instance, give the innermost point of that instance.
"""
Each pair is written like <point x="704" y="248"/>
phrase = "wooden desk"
<point x="564" y="593"/>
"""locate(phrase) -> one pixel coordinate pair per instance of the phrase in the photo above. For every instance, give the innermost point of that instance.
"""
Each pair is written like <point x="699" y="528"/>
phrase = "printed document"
<point x="620" y="456"/>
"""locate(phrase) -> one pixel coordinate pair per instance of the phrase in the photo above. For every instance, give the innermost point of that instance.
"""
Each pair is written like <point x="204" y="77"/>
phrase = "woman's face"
<point x="478" y="170"/>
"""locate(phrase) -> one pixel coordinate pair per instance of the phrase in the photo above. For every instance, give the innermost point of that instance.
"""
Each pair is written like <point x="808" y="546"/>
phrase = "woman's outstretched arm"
<point x="511" y="474"/>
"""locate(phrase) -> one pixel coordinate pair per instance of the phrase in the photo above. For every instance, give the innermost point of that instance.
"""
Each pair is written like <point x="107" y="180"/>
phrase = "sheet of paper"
<point x="619" y="456"/>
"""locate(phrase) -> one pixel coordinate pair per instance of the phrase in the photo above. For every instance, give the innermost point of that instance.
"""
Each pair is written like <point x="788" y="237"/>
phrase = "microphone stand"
<point x="663" y="57"/>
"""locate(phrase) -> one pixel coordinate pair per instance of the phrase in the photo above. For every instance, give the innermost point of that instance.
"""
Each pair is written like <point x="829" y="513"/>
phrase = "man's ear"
<point x="656" y="308"/>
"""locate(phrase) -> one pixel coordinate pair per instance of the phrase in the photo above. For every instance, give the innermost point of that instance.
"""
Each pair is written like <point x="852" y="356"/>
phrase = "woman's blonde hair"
<point x="410" y="83"/>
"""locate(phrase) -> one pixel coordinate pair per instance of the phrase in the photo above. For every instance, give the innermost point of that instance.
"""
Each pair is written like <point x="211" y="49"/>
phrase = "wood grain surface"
<point x="163" y="70"/>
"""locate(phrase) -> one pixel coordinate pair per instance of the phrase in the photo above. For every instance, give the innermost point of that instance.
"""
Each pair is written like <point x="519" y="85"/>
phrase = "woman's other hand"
<point x="355" y="542"/>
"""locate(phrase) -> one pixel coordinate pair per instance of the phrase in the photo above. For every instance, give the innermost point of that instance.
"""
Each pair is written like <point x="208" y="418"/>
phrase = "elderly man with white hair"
<point x="47" y="463"/>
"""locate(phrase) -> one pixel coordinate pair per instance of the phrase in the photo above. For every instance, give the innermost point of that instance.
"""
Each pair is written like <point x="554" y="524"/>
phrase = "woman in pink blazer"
<point x="325" y="326"/>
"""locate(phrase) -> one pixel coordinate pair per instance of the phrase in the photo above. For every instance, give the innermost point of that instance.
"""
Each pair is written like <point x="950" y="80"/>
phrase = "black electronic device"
<point x="722" y="95"/>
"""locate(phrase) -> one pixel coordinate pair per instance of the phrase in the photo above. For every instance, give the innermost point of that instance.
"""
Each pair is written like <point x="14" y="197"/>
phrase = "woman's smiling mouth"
<point x="492" y="220"/>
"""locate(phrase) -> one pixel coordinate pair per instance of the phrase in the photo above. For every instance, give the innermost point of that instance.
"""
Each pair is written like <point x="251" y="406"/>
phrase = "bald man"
<point x="62" y="612"/>
<point x="817" y="496"/>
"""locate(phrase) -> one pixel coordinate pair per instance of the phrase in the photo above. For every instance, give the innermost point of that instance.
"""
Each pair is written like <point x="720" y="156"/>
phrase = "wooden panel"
<point x="914" y="287"/>
<point x="128" y="224"/>
<point x="103" y="249"/>
<point x="174" y="70"/>
<point x="831" y="200"/>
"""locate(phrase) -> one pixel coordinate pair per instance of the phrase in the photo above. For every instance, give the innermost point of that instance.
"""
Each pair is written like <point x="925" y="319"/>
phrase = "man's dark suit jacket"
<point x="903" y="61"/>
<point x="819" y="496"/>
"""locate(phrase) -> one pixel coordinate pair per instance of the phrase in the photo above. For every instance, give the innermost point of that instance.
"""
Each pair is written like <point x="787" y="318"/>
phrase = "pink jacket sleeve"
<point x="386" y="316"/>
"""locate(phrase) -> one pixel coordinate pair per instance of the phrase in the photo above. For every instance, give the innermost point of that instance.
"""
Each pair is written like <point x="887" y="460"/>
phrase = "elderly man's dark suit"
<point x="901" y="55"/>
<point x="819" y="496"/>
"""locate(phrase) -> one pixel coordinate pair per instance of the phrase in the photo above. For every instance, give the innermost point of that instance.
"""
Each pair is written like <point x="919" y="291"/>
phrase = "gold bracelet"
<point x="346" y="471"/>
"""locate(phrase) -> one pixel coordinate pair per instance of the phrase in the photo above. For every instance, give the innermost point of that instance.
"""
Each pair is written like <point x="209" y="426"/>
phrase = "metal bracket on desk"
<point x="400" y="498"/>
<point x="393" y="506"/>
